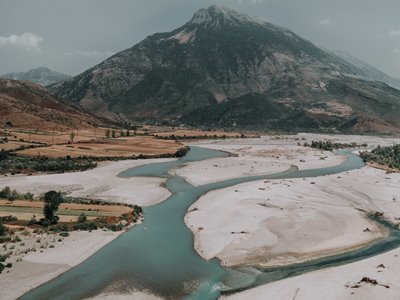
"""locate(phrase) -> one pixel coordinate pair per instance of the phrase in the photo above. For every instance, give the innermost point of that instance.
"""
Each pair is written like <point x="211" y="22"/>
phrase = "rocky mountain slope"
<point x="364" y="70"/>
<point x="28" y="105"/>
<point x="42" y="76"/>
<point x="227" y="69"/>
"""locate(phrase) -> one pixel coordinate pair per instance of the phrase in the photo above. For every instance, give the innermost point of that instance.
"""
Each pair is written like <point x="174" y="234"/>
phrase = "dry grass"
<point x="93" y="142"/>
<point x="54" y="137"/>
<point x="118" y="147"/>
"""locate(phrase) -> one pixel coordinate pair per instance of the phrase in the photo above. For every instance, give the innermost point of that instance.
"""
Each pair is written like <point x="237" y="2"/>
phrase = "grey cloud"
<point x="90" y="54"/>
<point x="28" y="41"/>
<point x="394" y="33"/>
<point x="325" y="22"/>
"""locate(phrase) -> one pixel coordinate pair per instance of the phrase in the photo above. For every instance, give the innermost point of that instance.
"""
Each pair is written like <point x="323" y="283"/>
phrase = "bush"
<point x="5" y="192"/>
<point x="64" y="234"/>
<point x="3" y="229"/>
<point x="7" y="219"/>
<point x="3" y="155"/>
<point x="115" y="227"/>
<point x="82" y="218"/>
<point x="59" y="228"/>
<point x="85" y="226"/>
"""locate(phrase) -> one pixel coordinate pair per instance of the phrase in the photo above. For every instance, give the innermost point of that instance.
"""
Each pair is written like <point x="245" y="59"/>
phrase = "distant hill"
<point x="28" y="105"/>
<point x="42" y="76"/>
<point x="226" y="69"/>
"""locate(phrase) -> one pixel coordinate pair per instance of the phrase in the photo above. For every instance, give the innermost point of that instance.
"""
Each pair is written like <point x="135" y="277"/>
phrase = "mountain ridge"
<point x="41" y="75"/>
<point x="28" y="105"/>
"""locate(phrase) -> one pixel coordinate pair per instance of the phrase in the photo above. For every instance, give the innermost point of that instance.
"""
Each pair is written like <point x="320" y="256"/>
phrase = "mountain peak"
<point x="216" y="15"/>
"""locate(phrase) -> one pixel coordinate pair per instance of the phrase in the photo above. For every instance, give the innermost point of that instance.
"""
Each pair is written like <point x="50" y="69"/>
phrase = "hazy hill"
<point x="42" y="76"/>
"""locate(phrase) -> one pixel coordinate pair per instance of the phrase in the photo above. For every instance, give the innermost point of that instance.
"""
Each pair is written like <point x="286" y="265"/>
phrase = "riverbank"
<point x="278" y="222"/>
<point x="39" y="258"/>
<point x="253" y="157"/>
<point x="101" y="183"/>
<point x="371" y="278"/>
<point x="35" y="263"/>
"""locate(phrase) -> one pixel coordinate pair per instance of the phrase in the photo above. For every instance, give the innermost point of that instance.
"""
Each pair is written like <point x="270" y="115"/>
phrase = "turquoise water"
<point x="158" y="255"/>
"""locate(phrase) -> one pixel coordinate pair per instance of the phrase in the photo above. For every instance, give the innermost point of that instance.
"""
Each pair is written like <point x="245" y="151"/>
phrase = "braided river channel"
<point x="158" y="257"/>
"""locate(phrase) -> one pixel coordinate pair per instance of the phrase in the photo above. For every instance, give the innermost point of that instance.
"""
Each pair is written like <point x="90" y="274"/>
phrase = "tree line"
<point x="386" y="156"/>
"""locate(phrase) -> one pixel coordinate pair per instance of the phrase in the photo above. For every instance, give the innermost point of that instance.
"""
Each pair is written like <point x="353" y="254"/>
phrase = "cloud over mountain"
<point x="28" y="41"/>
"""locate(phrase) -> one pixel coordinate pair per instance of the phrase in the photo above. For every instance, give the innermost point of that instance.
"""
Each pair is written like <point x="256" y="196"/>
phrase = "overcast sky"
<point x="72" y="35"/>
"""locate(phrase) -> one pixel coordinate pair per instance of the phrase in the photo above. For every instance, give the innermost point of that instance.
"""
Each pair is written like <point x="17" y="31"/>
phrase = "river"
<point x="158" y="255"/>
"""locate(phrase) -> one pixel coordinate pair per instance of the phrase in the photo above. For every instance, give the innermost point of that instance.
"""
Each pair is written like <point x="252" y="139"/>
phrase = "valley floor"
<point x="265" y="222"/>
<point x="281" y="221"/>
<point x="39" y="258"/>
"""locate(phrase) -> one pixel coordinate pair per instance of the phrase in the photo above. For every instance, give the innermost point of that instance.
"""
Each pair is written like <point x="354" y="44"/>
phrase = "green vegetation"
<point x="72" y="137"/>
<point x="82" y="224"/>
<point x="137" y="213"/>
<point x="386" y="156"/>
<point x="3" y="229"/>
<point x="3" y="155"/>
<point x="199" y="137"/>
<point x="330" y="145"/>
<point x="52" y="201"/>
<point x="182" y="151"/>
<point x="82" y="218"/>
<point x="7" y="193"/>
<point x="10" y="163"/>
<point x="8" y="219"/>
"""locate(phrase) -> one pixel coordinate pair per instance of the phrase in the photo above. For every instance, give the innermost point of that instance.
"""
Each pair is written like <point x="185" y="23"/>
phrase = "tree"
<point x="52" y="201"/>
<point x="3" y="229"/>
<point x="107" y="133"/>
<point x="72" y="136"/>
<point x="82" y="218"/>
<point x="113" y="133"/>
<point x="5" y="192"/>
<point x="3" y="155"/>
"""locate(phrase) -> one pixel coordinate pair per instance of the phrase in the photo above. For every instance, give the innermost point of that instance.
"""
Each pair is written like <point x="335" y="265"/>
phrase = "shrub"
<point x="5" y="192"/>
<point x="3" y="229"/>
<point x="85" y="226"/>
<point x="3" y="155"/>
<point x="82" y="218"/>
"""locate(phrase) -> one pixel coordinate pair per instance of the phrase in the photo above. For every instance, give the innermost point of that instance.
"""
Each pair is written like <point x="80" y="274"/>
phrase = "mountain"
<point x="28" y="105"/>
<point x="42" y="76"/>
<point x="365" y="70"/>
<point x="224" y="69"/>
